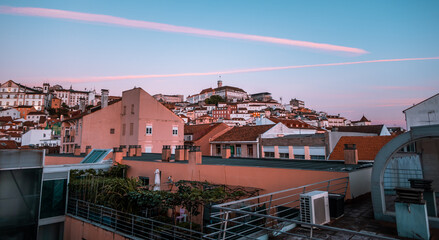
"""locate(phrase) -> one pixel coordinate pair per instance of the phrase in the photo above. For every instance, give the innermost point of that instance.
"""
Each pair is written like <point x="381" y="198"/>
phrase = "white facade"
<point x="72" y="97"/>
<point x="38" y="137"/>
<point x="11" y="112"/>
<point x="280" y="130"/>
<point x="423" y="113"/>
<point x="13" y="94"/>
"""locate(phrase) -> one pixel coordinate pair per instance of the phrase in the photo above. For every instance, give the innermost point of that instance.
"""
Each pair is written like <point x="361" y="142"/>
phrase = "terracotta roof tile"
<point x="244" y="133"/>
<point x="199" y="130"/>
<point x="8" y="144"/>
<point x="367" y="146"/>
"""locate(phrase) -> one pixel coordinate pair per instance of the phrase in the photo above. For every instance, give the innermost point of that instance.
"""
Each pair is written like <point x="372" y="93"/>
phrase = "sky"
<point x="354" y="58"/>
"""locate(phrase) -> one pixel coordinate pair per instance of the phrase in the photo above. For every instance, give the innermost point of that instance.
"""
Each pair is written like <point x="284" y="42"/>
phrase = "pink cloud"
<point x="106" y="78"/>
<point x="98" y="18"/>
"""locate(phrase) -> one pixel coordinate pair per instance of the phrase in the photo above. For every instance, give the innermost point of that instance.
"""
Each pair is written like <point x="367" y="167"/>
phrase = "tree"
<point x="215" y="99"/>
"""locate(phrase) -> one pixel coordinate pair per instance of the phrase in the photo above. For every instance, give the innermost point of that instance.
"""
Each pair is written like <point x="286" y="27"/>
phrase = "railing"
<point x="398" y="177"/>
<point x="127" y="225"/>
<point x="272" y="214"/>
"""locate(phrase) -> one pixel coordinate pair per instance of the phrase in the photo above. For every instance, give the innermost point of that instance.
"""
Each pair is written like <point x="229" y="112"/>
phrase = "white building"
<point x="35" y="116"/>
<point x="423" y="113"/>
<point x="72" y="97"/>
<point x="39" y="137"/>
<point x="228" y="93"/>
<point x="13" y="94"/>
<point x="11" y="112"/>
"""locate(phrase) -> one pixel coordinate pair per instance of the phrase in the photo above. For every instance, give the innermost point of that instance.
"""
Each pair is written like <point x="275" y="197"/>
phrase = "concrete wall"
<point x="360" y="182"/>
<point x="96" y="128"/>
<point x="75" y="229"/>
<point x="59" y="160"/>
<point x="425" y="113"/>
<point x="429" y="149"/>
<point x="268" y="179"/>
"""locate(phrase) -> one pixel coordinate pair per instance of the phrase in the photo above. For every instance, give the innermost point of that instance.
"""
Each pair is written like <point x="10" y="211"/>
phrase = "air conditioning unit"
<point x="314" y="207"/>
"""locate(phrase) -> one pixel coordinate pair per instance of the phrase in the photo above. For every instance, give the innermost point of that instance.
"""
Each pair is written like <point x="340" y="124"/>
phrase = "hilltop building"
<point x="231" y="94"/>
<point x="13" y="94"/>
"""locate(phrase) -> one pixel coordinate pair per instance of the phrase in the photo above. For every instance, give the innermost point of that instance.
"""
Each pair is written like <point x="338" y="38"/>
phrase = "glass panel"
<point x="53" y="202"/>
<point x="19" y="201"/>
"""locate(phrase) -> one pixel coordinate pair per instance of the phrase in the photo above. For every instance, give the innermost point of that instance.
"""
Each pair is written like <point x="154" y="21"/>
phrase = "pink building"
<point x="137" y="119"/>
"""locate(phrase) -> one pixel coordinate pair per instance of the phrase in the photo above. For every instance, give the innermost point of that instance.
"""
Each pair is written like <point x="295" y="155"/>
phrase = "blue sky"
<point x="37" y="49"/>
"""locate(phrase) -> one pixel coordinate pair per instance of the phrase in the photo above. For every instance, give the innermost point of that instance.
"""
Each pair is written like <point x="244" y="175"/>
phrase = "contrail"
<point x="112" y="20"/>
<point x="248" y="70"/>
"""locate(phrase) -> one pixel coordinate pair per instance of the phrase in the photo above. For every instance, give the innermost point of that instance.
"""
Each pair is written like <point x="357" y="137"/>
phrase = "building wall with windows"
<point x="148" y="123"/>
<point x="301" y="147"/>
<point x="102" y="128"/>
<point x="13" y="94"/>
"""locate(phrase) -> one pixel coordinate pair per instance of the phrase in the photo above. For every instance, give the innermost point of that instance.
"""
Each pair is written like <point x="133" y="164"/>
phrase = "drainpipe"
<point x="257" y="147"/>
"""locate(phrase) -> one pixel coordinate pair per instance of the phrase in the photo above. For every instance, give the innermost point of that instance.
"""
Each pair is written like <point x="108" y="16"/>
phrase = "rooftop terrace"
<point x="332" y="166"/>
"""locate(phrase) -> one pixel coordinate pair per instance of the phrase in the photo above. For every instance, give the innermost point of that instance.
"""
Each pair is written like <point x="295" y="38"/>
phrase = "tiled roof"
<point x="6" y="119"/>
<point x="8" y="144"/>
<point x="244" y="133"/>
<point x="362" y="129"/>
<point x="206" y="90"/>
<point x="199" y="130"/>
<point x="229" y="88"/>
<point x="36" y="113"/>
<point x="367" y="146"/>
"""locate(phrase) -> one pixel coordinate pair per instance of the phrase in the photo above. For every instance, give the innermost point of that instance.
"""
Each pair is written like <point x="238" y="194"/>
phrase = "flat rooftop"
<point x="331" y="166"/>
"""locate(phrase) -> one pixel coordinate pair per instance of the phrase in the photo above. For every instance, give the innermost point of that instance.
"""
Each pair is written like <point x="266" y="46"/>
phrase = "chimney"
<point x="180" y="153"/>
<point x="350" y="154"/>
<point x="220" y="83"/>
<point x="104" y="98"/>
<point x="195" y="155"/>
<point x="226" y="152"/>
<point x="132" y="150"/>
<point x="117" y="155"/>
<point x="87" y="150"/>
<point x="138" y="150"/>
<point x="166" y="153"/>
<point x="82" y="104"/>
<point x="123" y="149"/>
<point x="77" y="150"/>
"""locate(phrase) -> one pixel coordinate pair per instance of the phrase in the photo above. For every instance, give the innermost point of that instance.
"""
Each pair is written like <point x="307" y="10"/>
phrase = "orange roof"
<point x="367" y="146"/>
<point x="244" y="133"/>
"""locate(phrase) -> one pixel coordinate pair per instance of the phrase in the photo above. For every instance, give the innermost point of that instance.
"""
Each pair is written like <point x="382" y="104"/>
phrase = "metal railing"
<point x="127" y="225"/>
<point x="273" y="214"/>
<point x="399" y="177"/>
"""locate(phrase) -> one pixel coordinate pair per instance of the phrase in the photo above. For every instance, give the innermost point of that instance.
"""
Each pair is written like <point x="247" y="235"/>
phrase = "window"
<point x="148" y="149"/>
<point x="123" y="129"/>
<point x="250" y="150"/>
<point x="284" y="155"/>
<point x="131" y="129"/>
<point x="218" y="149"/>
<point x="132" y="108"/>
<point x="124" y="110"/>
<point x="269" y="151"/>
<point x="238" y="150"/>
<point x="269" y="154"/>
<point x="174" y="131"/>
<point x="53" y="199"/>
<point x="111" y="130"/>
<point x="299" y="156"/>
<point x="144" y="181"/>
<point x="317" y="157"/>
<point x="149" y="130"/>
